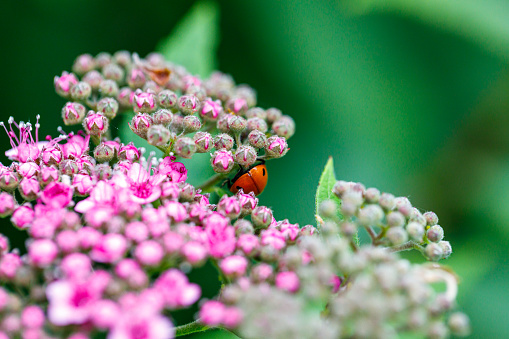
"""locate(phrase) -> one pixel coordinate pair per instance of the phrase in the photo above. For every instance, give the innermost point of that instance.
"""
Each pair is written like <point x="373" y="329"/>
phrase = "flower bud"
<point x="95" y="123"/>
<point x="276" y="146"/>
<point x="102" y="59"/>
<point x="237" y="105"/>
<point x="237" y="124"/>
<point x="191" y="123"/>
<point x="223" y="141"/>
<point x="435" y="233"/>
<point x="245" y="156"/>
<point x="387" y="201"/>
<point x="261" y="217"/>
<point x="395" y="219"/>
<point x="64" y="83"/>
<point x="129" y="152"/>
<point x="162" y="117"/>
<point x="9" y="179"/>
<point x="328" y="208"/>
<point x="257" y="124"/>
<point x="248" y="93"/>
<point x="372" y="195"/>
<point x="446" y="248"/>
<point x="248" y="202"/>
<point x="124" y="97"/>
<point x="73" y="113"/>
<point x="113" y="72"/>
<point x="104" y="152"/>
<point x="188" y="104"/>
<point x="68" y="167"/>
<point x="431" y="218"/>
<point x="81" y="91"/>
<point x="108" y="88"/>
<point x="256" y="112"/>
<point x="140" y="124"/>
<point x="273" y="114"/>
<point x="29" y="188"/>
<point x="257" y="139"/>
<point x="83" y="64"/>
<point x="203" y="142"/>
<point x="211" y="110"/>
<point x="177" y="123"/>
<point x="123" y="58"/>
<point x="434" y="251"/>
<point x="144" y="102"/>
<point x="108" y="106"/>
<point x="348" y="229"/>
<point x="222" y="161"/>
<point x="223" y="123"/>
<point x="93" y="78"/>
<point x="459" y="324"/>
<point x="397" y="235"/>
<point x="136" y="78"/>
<point x="284" y="127"/>
<point x="7" y="205"/>
<point x="243" y="226"/>
<point x="185" y="147"/>
<point x="187" y="192"/>
<point x="158" y="135"/>
<point x="415" y="231"/>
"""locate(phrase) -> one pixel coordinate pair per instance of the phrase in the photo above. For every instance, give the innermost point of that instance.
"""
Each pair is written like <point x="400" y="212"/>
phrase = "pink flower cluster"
<point x="106" y="241"/>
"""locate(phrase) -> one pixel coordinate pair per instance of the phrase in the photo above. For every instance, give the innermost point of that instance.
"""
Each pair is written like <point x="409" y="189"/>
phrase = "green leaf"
<point x="483" y="22"/>
<point x="325" y="185"/>
<point x="193" y="43"/>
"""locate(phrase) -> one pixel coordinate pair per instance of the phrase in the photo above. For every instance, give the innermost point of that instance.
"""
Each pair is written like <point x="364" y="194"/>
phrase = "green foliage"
<point x="193" y="43"/>
<point x="324" y="189"/>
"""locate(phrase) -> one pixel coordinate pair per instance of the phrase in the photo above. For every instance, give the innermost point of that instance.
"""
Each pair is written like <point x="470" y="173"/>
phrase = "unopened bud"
<point x="415" y="231"/>
<point x="435" y="233"/>
<point x="446" y="248"/>
<point x="397" y="235"/>
<point x="83" y="64"/>
<point x="81" y="91"/>
<point x="203" y="142"/>
<point x="257" y="124"/>
<point x="140" y="124"/>
<point x="188" y="104"/>
<point x="245" y="156"/>
<point x="144" y="102"/>
<point x="95" y="123"/>
<point x="257" y="139"/>
<point x="223" y="141"/>
<point x="124" y="97"/>
<point x="136" y="78"/>
<point x="459" y="324"/>
<point x="102" y="59"/>
<point x="348" y="229"/>
<point x="243" y="226"/>
<point x="93" y="78"/>
<point x="256" y="112"/>
<point x="261" y="217"/>
<point x="158" y="135"/>
<point x="434" y="251"/>
<point x="191" y="123"/>
<point x="237" y="105"/>
<point x="328" y="208"/>
<point x="395" y="219"/>
<point x="187" y="192"/>
<point x="284" y="127"/>
<point x="387" y="201"/>
<point x="108" y="106"/>
<point x="431" y="218"/>
<point x="123" y="58"/>
<point x="104" y="152"/>
<point x="114" y="72"/>
<point x="167" y="99"/>
<point x="222" y="161"/>
<point x="276" y="146"/>
<point x="108" y="88"/>
<point x="185" y="147"/>
<point x="372" y="195"/>
<point x="162" y="117"/>
<point x="73" y="113"/>
<point x="237" y="124"/>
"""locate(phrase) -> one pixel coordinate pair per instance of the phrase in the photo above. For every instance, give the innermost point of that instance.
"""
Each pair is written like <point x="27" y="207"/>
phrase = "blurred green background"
<point x="411" y="97"/>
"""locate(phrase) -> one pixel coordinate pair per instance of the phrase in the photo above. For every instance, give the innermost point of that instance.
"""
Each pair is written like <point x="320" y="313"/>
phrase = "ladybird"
<point x="252" y="180"/>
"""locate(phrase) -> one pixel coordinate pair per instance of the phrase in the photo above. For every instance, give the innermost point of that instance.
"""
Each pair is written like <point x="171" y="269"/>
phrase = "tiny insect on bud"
<point x="435" y="233"/>
<point x="158" y="135"/>
<point x="185" y="147"/>
<point x="81" y="91"/>
<point x="108" y="107"/>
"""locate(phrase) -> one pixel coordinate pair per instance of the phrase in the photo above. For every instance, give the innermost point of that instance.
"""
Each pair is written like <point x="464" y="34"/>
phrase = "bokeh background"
<point x="411" y="97"/>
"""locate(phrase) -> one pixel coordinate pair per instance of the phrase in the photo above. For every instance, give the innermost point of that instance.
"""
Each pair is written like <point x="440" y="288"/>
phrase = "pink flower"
<point x="234" y="266"/>
<point x="129" y="152"/>
<point x="170" y="191"/>
<point x="29" y="188"/>
<point x="95" y="123"/>
<point x="9" y="179"/>
<point x="75" y="147"/>
<point x="7" y="204"/>
<point x="23" y="216"/>
<point x="136" y="231"/>
<point x="88" y="237"/>
<point x="248" y="202"/>
<point x="211" y="109"/>
<point x="276" y="146"/>
<point x="4" y="298"/>
<point x="110" y="248"/>
<point x="57" y="194"/>
<point x="176" y="211"/>
<point x="144" y="188"/>
<point x="248" y="243"/>
<point x="288" y="281"/>
<point x="221" y="236"/>
<point x="73" y="113"/>
<point x="9" y="264"/>
<point x="42" y="252"/>
<point x="82" y="183"/>
<point x="212" y="313"/>
<point x="176" y="290"/>
<point x="70" y="302"/>
<point x="289" y="231"/>
<point x="194" y="252"/>
<point x="103" y="194"/>
<point x="176" y="171"/>
<point x="106" y="313"/>
<point x="28" y="169"/>
<point x="261" y="272"/>
<point x="149" y="253"/>
<point x="144" y="102"/>
<point x="232" y="317"/>
<point x="273" y="237"/>
<point x="76" y="266"/>
<point x="190" y="81"/>
<point x="172" y="242"/>
<point x="229" y="207"/>
<point x="32" y="317"/>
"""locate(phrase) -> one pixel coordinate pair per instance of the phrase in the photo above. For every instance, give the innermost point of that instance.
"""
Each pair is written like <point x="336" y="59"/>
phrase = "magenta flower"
<point x="144" y="102"/>
<point x="24" y="146"/>
<point x="82" y="183"/>
<point x="176" y="289"/>
<point x="234" y="266"/>
<point x="220" y="236"/>
<point x="176" y="171"/>
<point x="42" y="252"/>
<point x="64" y="83"/>
<point x="7" y="204"/>
<point x="144" y="187"/>
<point x="102" y="194"/>
<point x="51" y="155"/>
<point x="211" y="109"/>
<point x="109" y="249"/>
<point x="9" y="264"/>
<point x="229" y="207"/>
<point x="75" y="147"/>
<point x="273" y="237"/>
<point x="129" y="152"/>
<point x="212" y="313"/>
<point x="95" y="123"/>
<point x="276" y="146"/>
<point x="73" y="113"/>
<point x="222" y="161"/>
<point x="23" y="216"/>
<point x="57" y="194"/>
<point x="288" y="281"/>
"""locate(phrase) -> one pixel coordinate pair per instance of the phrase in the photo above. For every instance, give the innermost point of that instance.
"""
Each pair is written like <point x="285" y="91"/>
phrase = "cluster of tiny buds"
<point x="174" y="110"/>
<point x="390" y="221"/>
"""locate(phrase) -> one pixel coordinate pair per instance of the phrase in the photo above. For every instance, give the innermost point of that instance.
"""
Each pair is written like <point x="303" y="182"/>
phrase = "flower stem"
<point x="212" y="181"/>
<point x="409" y="245"/>
<point x="195" y="326"/>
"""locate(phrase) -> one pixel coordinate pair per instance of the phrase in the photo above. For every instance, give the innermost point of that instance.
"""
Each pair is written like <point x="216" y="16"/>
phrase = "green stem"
<point x="409" y="245"/>
<point x="193" y="327"/>
<point x="211" y="182"/>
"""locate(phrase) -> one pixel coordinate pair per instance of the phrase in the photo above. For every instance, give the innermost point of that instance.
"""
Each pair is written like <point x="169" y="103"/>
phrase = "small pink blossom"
<point x="7" y="204"/>
<point x="289" y="231"/>
<point x="261" y="272"/>
<point x="212" y="313"/>
<point x="149" y="253"/>
<point x="144" y="102"/>
<point x="105" y="314"/>
<point x="248" y="243"/>
<point x="75" y="147"/>
<point x="288" y="281"/>
<point x="229" y="207"/>
<point x="194" y="252"/>
<point x="29" y="188"/>
<point x="232" y="317"/>
<point x="73" y="113"/>
<point x="190" y="81"/>
<point x="82" y="183"/>
<point x="211" y="109"/>
<point x="110" y="248"/>
<point x="273" y="237"/>
<point x="248" y="202"/>
<point x="23" y="216"/>
<point x="176" y="211"/>
<point x="48" y="174"/>
<point x="42" y="252"/>
<point x="136" y="231"/>
<point x="276" y="146"/>
<point x="222" y="161"/>
<point x="234" y="266"/>
<point x="172" y="242"/>
<point x="9" y="264"/>
<point x="176" y="290"/>
<point x="28" y="169"/>
<point x="144" y="187"/>
<point x="95" y="123"/>
<point x="88" y="237"/>
<point x="142" y="321"/>
<point x="126" y="267"/>
<point x="76" y="266"/>
<point x="170" y="191"/>
<point x="32" y="317"/>
<point x="176" y="171"/>
<point x="221" y="237"/>
<point x="4" y="298"/>
<point x="57" y="194"/>
<point x="64" y="83"/>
